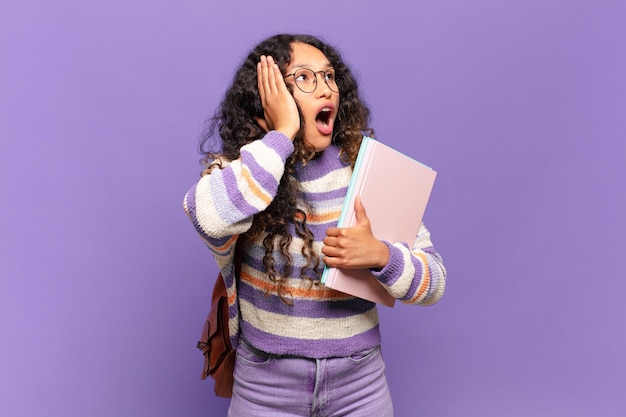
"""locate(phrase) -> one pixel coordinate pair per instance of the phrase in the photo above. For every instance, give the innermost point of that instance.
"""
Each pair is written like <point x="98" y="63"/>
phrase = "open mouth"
<point x="323" y="120"/>
<point x="323" y="116"/>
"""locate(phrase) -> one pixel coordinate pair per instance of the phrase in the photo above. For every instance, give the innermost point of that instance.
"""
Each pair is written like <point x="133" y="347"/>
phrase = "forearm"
<point x="223" y="203"/>
<point x="414" y="275"/>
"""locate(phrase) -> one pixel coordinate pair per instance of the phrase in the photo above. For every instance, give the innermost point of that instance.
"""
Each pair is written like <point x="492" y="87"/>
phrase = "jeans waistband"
<point x="259" y="352"/>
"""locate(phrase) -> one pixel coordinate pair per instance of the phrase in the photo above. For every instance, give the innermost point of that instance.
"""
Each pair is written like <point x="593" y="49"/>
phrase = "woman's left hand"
<point x="354" y="247"/>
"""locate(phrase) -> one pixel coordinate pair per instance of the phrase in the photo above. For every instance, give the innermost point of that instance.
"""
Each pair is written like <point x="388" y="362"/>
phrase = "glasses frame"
<point x="315" y="78"/>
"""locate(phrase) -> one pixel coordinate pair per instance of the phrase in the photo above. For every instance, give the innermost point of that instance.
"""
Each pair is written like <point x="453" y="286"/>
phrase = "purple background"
<point x="520" y="105"/>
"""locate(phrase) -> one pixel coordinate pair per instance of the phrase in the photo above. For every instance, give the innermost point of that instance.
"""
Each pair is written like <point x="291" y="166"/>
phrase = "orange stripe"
<point x="228" y="243"/>
<point x="323" y="218"/>
<point x="232" y="299"/>
<point x="323" y="293"/>
<point x="425" y="280"/>
<point x="259" y="193"/>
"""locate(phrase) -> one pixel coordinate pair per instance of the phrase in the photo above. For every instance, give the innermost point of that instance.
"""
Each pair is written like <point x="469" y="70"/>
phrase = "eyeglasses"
<point x="306" y="79"/>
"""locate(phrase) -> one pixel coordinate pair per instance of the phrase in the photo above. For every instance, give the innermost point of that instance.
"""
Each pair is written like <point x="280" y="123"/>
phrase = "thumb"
<point x="359" y="211"/>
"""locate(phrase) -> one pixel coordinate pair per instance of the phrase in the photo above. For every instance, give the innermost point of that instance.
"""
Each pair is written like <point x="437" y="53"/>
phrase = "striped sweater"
<point x="321" y="322"/>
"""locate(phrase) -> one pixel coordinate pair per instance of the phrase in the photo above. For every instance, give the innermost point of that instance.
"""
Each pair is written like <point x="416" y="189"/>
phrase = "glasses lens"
<point x="305" y="80"/>
<point x="331" y="81"/>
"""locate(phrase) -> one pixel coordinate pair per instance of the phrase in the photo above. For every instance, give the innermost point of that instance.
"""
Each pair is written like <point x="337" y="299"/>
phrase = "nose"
<point x="322" y="89"/>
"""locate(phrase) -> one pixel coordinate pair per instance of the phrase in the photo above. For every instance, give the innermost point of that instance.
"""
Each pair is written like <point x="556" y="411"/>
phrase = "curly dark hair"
<point x="235" y="122"/>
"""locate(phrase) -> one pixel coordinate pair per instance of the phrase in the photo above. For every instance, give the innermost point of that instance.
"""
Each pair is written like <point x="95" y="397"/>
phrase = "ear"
<point x="262" y="123"/>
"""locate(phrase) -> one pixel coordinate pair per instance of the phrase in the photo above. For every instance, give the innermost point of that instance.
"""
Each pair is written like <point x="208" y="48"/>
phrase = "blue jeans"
<point x="271" y="386"/>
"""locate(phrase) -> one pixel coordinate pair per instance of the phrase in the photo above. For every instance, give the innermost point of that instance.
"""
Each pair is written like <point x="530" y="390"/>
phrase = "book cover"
<point x="394" y="189"/>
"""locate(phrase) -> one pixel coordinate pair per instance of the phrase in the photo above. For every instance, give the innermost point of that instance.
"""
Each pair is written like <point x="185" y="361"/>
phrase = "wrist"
<point x="287" y="131"/>
<point x="383" y="255"/>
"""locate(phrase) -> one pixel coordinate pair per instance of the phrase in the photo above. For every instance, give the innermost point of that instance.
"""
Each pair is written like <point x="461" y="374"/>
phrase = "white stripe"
<point x="308" y="328"/>
<point x="438" y="279"/>
<point x="331" y="181"/>
<point x="403" y="283"/>
<point x="207" y="216"/>
<point x="423" y="238"/>
<point x="265" y="157"/>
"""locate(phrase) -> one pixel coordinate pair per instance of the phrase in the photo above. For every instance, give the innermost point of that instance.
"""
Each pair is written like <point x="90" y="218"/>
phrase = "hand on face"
<point x="279" y="107"/>
<point x="354" y="247"/>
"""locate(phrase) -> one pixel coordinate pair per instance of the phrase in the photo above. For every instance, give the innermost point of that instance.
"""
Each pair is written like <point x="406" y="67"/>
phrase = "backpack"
<point x="219" y="355"/>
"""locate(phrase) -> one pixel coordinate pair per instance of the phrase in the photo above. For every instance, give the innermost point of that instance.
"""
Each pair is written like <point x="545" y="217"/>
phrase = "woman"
<point x="291" y="124"/>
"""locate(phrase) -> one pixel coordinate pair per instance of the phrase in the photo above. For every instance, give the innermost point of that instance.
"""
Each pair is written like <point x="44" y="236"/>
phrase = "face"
<point x="318" y="108"/>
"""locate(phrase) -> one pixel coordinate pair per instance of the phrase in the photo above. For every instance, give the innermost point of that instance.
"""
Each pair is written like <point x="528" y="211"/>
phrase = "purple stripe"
<point x="319" y="229"/>
<point x="260" y="174"/>
<point x="430" y="250"/>
<point x="322" y="348"/>
<point x="257" y="265"/>
<point x="397" y="268"/>
<point x="434" y="271"/>
<point x="390" y="274"/>
<point x="279" y="143"/>
<point x="238" y="209"/>
<point x="251" y="261"/>
<point x="434" y="284"/>
<point x="327" y="162"/>
<point x="253" y="256"/>
<point x="190" y="202"/>
<point x="415" y="283"/>
<point x="304" y="308"/>
<point x="327" y="196"/>
<point x="191" y="209"/>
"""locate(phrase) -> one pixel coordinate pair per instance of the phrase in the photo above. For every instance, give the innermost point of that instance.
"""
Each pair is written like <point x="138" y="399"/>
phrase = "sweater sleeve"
<point x="222" y="204"/>
<point x="414" y="275"/>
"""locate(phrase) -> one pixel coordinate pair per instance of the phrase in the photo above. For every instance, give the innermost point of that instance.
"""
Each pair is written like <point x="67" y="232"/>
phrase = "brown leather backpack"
<point x="219" y="355"/>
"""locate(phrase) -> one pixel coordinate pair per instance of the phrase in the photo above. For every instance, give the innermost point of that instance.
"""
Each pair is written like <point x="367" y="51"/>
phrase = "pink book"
<point x="394" y="189"/>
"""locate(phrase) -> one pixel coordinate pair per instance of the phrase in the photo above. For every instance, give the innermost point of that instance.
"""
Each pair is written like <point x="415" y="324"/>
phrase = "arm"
<point x="413" y="275"/>
<point x="223" y="203"/>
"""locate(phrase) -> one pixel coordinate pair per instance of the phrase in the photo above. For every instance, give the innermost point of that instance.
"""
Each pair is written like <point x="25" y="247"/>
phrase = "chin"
<point x="318" y="144"/>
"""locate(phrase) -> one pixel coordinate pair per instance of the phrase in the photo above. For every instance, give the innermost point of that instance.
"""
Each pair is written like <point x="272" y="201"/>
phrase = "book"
<point x="394" y="189"/>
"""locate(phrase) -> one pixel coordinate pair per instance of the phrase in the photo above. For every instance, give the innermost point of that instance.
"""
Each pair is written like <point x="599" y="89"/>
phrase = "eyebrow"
<point x="308" y="66"/>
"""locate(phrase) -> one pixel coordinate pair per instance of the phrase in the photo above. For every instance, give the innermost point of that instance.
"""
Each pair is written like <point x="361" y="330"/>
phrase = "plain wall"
<point x="519" y="105"/>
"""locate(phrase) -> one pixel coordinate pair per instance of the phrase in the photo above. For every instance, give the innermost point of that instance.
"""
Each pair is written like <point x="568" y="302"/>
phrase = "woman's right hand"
<point x="279" y="106"/>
